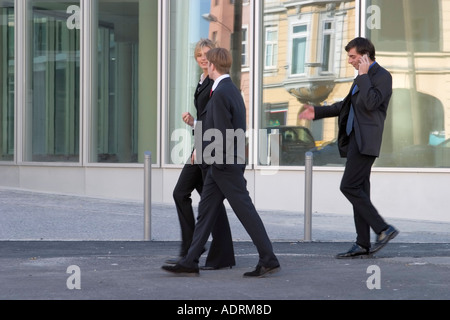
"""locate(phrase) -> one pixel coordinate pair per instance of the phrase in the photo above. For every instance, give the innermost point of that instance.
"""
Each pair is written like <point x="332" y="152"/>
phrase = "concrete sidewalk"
<point x="40" y="216"/>
<point x="42" y="236"/>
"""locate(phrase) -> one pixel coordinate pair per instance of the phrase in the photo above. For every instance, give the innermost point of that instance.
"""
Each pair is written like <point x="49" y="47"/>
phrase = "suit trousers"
<point x="221" y="252"/>
<point x="228" y="183"/>
<point x="190" y="179"/>
<point x="355" y="186"/>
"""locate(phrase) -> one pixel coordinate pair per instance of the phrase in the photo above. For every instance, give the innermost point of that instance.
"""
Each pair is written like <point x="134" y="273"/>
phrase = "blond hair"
<point x="202" y="43"/>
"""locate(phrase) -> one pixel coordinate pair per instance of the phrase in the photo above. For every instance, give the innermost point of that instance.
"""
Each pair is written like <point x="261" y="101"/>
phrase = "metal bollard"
<point x="147" y="196"/>
<point x="308" y="195"/>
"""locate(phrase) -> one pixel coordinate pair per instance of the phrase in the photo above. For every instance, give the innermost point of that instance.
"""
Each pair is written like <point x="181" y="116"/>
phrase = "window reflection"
<point x="124" y="116"/>
<point x="226" y="23"/>
<point x="410" y="37"/>
<point x="53" y="121"/>
<point x="229" y="27"/>
<point x="304" y="63"/>
<point x="118" y="61"/>
<point x="7" y="82"/>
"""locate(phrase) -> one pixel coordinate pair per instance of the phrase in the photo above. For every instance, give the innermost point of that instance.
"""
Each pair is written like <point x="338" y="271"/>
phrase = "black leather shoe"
<point x="356" y="251"/>
<point x="261" y="271"/>
<point x="383" y="238"/>
<point x="180" y="270"/>
<point x="214" y="268"/>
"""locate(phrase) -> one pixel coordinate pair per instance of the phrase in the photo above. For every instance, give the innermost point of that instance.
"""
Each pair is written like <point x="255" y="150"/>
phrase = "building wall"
<point x="404" y="195"/>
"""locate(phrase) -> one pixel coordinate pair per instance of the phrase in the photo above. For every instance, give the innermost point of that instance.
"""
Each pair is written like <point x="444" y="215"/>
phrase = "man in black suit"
<point x="222" y="152"/>
<point x="221" y="252"/>
<point x="361" y="117"/>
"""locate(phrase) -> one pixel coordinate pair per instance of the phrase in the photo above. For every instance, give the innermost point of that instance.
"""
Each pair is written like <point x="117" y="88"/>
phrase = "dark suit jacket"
<point x="201" y="95"/>
<point x="370" y="103"/>
<point x="225" y="114"/>
<point x="201" y="98"/>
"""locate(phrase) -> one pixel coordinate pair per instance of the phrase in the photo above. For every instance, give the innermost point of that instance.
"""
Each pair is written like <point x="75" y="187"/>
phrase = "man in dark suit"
<point x="361" y="117"/>
<point x="221" y="252"/>
<point x="221" y="150"/>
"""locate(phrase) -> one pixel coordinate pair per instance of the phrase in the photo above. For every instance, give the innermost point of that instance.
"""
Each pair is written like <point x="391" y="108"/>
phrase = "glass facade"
<point x="123" y="119"/>
<point x="115" y="116"/>
<point x="412" y="38"/>
<point x="53" y="107"/>
<point x="226" y="23"/>
<point x="143" y="74"/>
<point x="119" y="116"/>
<point x="307" y="64"/>
<point x="7" y="65"/>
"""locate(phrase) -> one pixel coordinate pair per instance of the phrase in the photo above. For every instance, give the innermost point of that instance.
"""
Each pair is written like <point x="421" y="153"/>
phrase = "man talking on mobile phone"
<point x="361" y="116"/>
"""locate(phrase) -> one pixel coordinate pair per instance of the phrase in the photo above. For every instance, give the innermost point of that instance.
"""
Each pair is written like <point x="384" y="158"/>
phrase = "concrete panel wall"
<point x="408" y="195"/>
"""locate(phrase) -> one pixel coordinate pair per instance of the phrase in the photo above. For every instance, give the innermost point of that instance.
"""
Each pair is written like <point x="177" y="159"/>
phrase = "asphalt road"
<point x="117" y="270"/>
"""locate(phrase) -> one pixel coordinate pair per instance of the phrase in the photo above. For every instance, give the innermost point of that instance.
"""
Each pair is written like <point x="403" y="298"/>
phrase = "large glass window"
<point x="122" y="107"/>
<point x="190" y="20"/>
<point x="271" y="47"/>
<point x="412" y="41"/>
<point x="124" y="116"/>
<point x="244" y="47"/>
<point x="7" y="81"/>
<point x="117" y="61"/>
<point x="327" y="53"/>
<point x="305" y="65"/>
<point x="299" y="49"/>
<point x="53" y="110"/>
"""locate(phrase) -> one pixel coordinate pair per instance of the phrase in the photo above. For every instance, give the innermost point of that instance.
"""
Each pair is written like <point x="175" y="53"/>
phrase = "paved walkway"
<point x="50" y="244"/>
<point x="39" y="216"/>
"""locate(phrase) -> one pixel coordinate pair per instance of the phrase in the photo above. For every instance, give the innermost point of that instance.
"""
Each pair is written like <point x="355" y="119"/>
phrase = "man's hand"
<point x="188" y="119"/>
<point x="364" y="65"/>
<point x="307" y="113"/>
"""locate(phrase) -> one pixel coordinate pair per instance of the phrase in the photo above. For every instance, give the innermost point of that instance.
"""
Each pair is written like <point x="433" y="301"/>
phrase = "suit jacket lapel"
<point x="202" y="86"/>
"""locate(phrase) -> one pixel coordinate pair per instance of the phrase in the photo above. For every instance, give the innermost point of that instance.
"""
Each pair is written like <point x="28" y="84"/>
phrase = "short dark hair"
<point x="221" y="58"/>
<point x="362" y="46"/>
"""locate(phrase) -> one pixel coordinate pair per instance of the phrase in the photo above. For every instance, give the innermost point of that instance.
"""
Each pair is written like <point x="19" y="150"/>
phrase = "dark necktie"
<point x="351" y="115"/>
<point x="210" y="93"/>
